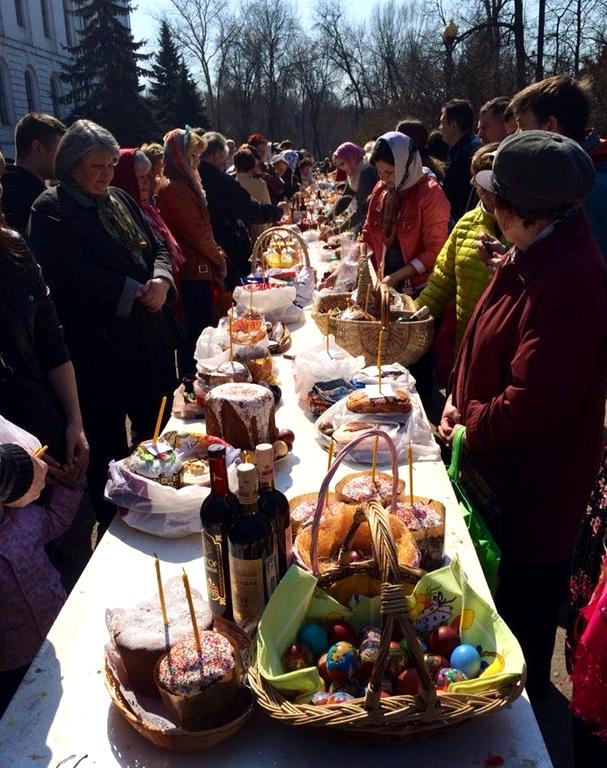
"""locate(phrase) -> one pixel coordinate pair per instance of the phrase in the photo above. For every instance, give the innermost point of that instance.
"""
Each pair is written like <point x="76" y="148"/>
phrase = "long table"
<point x="62" y="711"/>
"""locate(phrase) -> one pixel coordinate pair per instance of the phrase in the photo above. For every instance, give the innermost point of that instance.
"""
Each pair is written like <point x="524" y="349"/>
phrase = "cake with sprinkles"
<point x="359" y="487"/>
<point x="202" y="688"/>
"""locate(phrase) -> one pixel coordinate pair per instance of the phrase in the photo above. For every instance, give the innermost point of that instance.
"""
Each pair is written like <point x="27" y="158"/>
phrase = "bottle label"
<point x="271" y="567"/>
<point x="248" y="594"/>
<point x="212" y="547"/>
<point x="289" y="543"/>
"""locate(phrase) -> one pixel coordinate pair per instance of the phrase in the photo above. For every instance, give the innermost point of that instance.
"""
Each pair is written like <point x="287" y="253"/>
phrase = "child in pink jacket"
<point x="31" y="593"/>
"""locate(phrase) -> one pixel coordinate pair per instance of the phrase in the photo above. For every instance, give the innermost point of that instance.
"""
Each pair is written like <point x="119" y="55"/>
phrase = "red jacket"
<point x="188" y="220"/>
<point x="530" y="382"/>
<point x="423" y="223"/>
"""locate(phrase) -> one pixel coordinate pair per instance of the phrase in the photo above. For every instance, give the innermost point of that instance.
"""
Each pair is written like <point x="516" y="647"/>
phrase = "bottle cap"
<point x="247" y="483"/>
<point x="216" y="450"/>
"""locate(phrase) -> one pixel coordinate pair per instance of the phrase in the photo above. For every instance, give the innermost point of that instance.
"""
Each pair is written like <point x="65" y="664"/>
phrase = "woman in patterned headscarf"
<point x="361" y="179"/>
<point x="111" y="280"/>
<point x="183" y="206"/>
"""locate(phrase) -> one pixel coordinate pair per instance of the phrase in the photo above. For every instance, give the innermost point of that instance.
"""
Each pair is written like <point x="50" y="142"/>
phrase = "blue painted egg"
<point x="314" y="636"/>
<point x="467" y="659"/>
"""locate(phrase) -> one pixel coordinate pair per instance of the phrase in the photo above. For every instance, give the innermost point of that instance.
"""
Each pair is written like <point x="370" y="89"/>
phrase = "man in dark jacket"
<point x="231" y="209"/>
<point x="456" y="126"/>
<point x="36" y="139"/>
<point x="276" y="186"/>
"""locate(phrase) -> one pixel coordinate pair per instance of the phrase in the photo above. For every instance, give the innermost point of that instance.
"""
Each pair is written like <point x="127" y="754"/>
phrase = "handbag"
<point x="487" y="549"/>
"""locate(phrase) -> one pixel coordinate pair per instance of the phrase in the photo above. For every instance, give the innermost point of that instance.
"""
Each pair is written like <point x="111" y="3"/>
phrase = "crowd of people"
<point x="113" y="260"/>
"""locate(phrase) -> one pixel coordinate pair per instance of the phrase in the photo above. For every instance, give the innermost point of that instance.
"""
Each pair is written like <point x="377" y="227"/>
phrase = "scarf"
<point x="125" y="179"/>
<point x="115" y="218"/>
<point x="350" y="155"/>
<point x="176" y="163"/>
<point x="408" y="170"/>
<point x="291" y="157"/>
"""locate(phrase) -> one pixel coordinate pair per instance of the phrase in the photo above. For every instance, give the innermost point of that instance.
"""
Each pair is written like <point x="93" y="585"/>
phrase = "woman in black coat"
<point x="110" y="279"/>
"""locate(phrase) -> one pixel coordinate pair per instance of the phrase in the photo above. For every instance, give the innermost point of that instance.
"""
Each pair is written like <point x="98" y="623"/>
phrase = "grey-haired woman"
<point x="110" y="279"/>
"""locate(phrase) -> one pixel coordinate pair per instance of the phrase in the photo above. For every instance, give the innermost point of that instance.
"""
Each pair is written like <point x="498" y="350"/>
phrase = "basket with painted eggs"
<point x="377" y="650"/>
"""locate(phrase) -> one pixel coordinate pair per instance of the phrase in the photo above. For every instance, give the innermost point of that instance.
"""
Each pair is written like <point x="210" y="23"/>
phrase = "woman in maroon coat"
<point x="530" y="379"/>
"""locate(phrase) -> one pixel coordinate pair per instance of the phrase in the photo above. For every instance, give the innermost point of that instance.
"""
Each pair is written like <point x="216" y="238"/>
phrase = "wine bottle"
<point x="217" y="513"/>
<point x="275" y="506"/>
<point x="251" y="553"/>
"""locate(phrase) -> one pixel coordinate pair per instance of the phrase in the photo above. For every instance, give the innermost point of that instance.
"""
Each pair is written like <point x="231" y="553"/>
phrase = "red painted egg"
<point x="443" y="640"/>
<point x="408" y="683"/>
<point x="341" y="631"/>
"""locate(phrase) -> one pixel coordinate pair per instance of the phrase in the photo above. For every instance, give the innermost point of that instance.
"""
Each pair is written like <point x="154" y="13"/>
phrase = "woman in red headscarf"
<point x="361" y="178"/>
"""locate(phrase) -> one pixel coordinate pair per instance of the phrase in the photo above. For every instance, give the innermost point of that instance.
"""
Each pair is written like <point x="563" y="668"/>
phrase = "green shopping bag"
<point x="485" y="545"/>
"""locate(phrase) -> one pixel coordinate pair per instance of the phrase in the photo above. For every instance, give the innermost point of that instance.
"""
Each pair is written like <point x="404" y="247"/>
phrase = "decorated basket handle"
<point x="393" y="610"/>
<point x="322" y="493"/>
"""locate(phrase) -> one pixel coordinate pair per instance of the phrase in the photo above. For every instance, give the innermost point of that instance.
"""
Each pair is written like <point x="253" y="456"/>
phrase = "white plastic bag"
<point x="268" y="300"/>
<point x="413" y="427"/>
<point x="159" y="509"/>
<point x="11" y="433"/>
<point x="316" y="365"/>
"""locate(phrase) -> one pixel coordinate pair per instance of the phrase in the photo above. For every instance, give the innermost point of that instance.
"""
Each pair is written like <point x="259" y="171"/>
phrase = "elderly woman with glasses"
<point x="110" y="278"/>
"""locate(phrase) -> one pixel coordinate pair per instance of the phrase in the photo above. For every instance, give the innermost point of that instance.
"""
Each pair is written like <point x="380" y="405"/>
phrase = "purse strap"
<point x="457" y="450"/>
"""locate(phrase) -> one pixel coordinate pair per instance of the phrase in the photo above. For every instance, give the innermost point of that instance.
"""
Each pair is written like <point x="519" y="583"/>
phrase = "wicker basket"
<point x="372" y="718"/>
<point x="325" y="306"/>
<point x="400" y="343"/>
<point x="283" y="234"/>
<point x="177" y="739"/>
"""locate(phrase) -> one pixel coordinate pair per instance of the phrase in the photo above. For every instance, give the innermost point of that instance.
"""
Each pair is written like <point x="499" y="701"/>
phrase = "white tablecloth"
<point x="62" y="709"/>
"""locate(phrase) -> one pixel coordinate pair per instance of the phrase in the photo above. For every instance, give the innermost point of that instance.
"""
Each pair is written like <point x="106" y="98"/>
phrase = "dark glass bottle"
<point x="275" y="506"/>
<point x="217" y="513"/>
<point x="251" y="551"/>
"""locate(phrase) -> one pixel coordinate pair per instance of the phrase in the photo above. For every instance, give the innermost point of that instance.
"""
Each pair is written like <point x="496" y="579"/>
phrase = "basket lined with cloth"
<point x="440" y="597"/>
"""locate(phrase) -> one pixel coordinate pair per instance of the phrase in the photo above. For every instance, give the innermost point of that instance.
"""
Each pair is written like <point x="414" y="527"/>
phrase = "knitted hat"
<point x="16" y="472"/>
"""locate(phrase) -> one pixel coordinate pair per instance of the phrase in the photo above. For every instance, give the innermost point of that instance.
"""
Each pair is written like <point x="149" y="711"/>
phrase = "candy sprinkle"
<point x="185" y="671"/>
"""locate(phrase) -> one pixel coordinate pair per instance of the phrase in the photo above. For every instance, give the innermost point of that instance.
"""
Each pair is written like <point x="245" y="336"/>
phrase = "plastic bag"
<point x="441" y="597"/>
<point x="268" y="300"/>
<point x="403" y="428"/>
<point x="316" y="365"/>
<point x="11" y="433"/>
<point x="148" y="506"/>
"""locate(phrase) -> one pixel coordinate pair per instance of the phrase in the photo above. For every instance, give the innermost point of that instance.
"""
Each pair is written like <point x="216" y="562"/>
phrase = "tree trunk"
<point x="519" y="44"/>
<point x="541" y="24"/>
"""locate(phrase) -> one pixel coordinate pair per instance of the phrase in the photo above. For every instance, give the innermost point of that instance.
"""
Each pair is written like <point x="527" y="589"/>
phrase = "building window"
<point x="29" y="92"/>
<point x="19" y="13"/>
<point x="55" y="96"/>
<point x="68" y="25"/>
<point x="46" y="27"/>
<point x="4" y="117"/>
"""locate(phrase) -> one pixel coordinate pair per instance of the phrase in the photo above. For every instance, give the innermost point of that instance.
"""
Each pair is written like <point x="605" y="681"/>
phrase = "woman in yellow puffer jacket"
<point x="459" y="277"/>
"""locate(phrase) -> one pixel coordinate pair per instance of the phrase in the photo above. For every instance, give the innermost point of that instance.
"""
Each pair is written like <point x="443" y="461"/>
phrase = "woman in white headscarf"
<point x="407" y="217"/>
<point x="406" y="227"/>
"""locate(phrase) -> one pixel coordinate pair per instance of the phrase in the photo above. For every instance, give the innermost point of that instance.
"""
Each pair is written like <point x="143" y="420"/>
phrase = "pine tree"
<point x="104" y="72"/>
<point x="191" y="107"/>
<point x="174" y="95"/>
